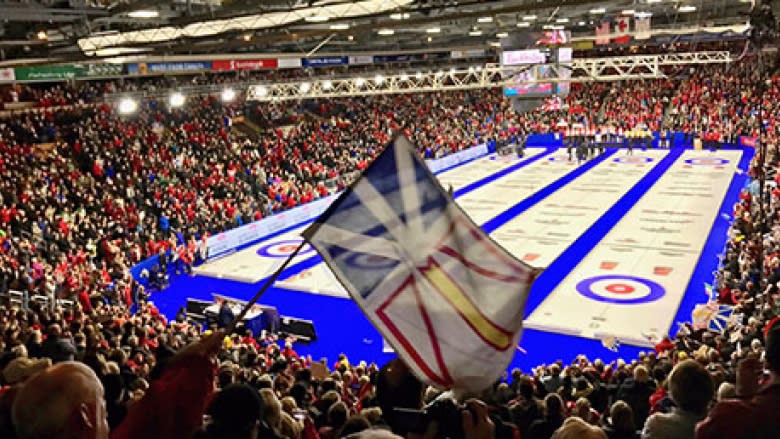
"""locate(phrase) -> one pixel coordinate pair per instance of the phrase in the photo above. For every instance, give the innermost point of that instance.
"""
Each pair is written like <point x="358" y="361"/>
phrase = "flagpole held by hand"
<point x="270" y="281"/>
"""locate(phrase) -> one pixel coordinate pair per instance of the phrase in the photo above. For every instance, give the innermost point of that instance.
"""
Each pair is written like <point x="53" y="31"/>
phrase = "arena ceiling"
<point x="84" y="29"/>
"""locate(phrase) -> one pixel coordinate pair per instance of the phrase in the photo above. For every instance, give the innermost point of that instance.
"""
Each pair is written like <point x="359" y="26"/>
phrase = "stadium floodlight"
<point x="418" y="75"/>
<point x="339" y="26"/>
<point x="433" y="30"/>
<point x="562" y="20"/>
<point x="641" y="14"/>
<point x="128" y="106"/>
<point x="502" y="35"/>
<point x="176" y="99"/>
<point x="327" y="84"/>
<point x="400" y="16"/>
<point x="628" y="12"/>
<point x="261" y="90"/>
<point x="305" y="87"/>
<point x="597" y="11"/>
<point x="475" y="33"/>
<point x="379" y="79"/>
<point x="523" y="24"/>
<point x="485" y="20"/>
<point x="650" y="2"/>
<point x="360" y="82"/>
<point x="529" y="17"/>
<point x="686" y="8"/>
<point x="144" y="13"/>
<point x="404" y="77"/>
<point x="228" y="94"/>
<point x="471" y="69"/>
<point x="385" y="32"/>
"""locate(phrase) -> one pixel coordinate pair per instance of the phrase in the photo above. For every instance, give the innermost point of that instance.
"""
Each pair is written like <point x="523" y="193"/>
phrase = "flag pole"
<point x="270" y="281"/>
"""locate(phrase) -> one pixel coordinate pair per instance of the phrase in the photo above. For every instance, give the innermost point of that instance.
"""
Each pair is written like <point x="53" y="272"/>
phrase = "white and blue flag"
<point x="446" y="297"/>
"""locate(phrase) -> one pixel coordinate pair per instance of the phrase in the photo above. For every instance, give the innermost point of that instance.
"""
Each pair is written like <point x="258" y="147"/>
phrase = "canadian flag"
<point x="622" y="28"/>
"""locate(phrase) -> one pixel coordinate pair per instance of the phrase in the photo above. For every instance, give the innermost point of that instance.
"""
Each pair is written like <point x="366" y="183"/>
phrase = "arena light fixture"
<point x="686" y="8"/>
<point x="317" y="18"/>
<point x="228" y="94"/>
<point x="643" y="14"/>
<point x="471" y="69"/>
<point x="523" y="24"/>
<point x="495" y="43"/>
<point x="400" y="16"/>
<point x="327" y="84"/>
<point x="580" y="23"/>
<point x="433" y="30"/>
<point x="475" y="33"/>
<point x="128" y="106"/>
<point x="430" y="39"/>
<point x="418" y="75"/>
<point x="553" y="27"/>
<point x="529" y="17"/>
<point x="360" y="82"/>
<point x="562" y="20"/>
<point x="350" y="37"/>
<point x="305" y="87"/>
<point x="598" y="11"/>
<point x="261" y="90"/>
<point x="176" y="99"/>
<point x="628" y="12"/>
<point x="42" y="35"/>
<point x="650" y="2"/>
<point x="485" y="20"/>
<point x="404" y="77"/>
<point x="385" y="32"/>
<point x="144" y="13"/>
<point x="339" y="26"/>
<point x="379" y="79"/>
<point x="502" y="35"/>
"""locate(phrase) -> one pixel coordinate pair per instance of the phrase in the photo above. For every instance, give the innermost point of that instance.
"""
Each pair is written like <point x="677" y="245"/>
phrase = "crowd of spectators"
<point x="108" y="191"/>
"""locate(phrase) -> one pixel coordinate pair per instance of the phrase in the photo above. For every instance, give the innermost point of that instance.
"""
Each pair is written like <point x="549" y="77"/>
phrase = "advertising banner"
<point x="243" y="64"/>
<point x="49" y="73"/>
<point x="168" y="67"/>
<point x="325" y="61"/>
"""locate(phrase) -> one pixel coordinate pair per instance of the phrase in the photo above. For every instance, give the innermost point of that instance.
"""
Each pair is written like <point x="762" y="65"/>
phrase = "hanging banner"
<point x="102" y="70"/>
<point x="361" y="59"/>
<point x="289" y="63"/>
<point x="49" y="73"/>
<point x="622" y="28"/>
<point x="7" y="75"/>
<point x="642" y="28"/>
<point x="244" y="64"/>
<point x="325" y="61"/>
<point x="602" y="33"/>
<point x="168" y="67"/>
<point x="475" y="53"/>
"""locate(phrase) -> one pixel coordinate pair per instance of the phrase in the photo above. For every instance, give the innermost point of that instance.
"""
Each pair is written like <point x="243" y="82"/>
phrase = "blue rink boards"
<point x="627" y="242"/>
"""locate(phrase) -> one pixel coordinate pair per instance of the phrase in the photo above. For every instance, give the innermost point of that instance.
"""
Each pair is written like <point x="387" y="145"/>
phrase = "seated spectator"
<point x="64" y="401"/>
<point x="691" y="390"/>
<point x="553" y="418"/>
<point x="576" y="428"/>
<point x="235" y="412"/>
<point x="620" y="424"/>
<point x="754" y="414"/>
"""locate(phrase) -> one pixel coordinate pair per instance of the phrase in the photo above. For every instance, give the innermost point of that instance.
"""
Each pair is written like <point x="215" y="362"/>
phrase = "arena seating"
<point x="114" y="190"/>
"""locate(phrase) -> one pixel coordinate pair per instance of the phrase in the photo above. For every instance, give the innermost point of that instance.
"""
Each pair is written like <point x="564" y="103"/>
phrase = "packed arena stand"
<point x="110" y="191"/>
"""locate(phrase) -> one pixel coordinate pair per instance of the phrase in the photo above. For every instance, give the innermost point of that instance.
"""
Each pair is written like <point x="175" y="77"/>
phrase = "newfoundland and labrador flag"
<point x="448" y="299"/>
